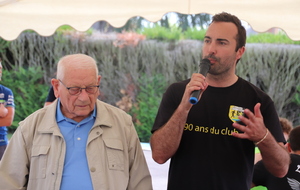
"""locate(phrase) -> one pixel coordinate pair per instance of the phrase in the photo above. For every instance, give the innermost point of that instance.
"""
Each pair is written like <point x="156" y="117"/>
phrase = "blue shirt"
<point x="76" y="175"/>
<point x="6" y="98"/>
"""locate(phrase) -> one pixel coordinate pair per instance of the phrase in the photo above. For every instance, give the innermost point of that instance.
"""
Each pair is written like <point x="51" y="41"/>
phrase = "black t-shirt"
<point x="208" y="157"/>
<point x="291" y="181"/>
<point x="51" y="97"/>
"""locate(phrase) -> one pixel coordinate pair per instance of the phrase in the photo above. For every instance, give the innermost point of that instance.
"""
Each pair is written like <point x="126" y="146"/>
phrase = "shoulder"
<point x="250" y="86"/>
<point x="180" y="83"/>
<point x="115" y="118"/>
<point x="5" y="89"/>
<point x="45" y="114"/>
<point x="250" y="89"/>
<point x="295" y="157"/>
<point x="174" y="93"/>
<point x="33" y="123"/>
<point x="177" y="87"/>
<point x="103" y="107"/>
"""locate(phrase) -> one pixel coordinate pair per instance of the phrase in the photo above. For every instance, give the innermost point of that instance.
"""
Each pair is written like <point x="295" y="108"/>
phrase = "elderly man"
<point x="77" y="142"/>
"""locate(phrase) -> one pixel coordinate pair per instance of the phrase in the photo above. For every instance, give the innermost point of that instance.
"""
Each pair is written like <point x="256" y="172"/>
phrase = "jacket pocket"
<point x="39" y="156"/>
<point x="115" y="154"/>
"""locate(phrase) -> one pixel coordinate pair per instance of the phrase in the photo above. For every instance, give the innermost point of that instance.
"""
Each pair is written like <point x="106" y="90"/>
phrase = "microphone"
<point x="204" y="67"/>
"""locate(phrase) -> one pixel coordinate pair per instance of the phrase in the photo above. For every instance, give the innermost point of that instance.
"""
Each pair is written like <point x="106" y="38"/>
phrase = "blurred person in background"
<point x="50" y="97"/>
<point x="291" y="181"/>
<point x="7" y="112"/>
<point x="286" y="127"/>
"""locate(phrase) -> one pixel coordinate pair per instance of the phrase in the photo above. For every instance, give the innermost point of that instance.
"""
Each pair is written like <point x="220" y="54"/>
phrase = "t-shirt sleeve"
<point x="271" y="120"/>
<point x="10" y="102"/>
<point x="169" y="104"/>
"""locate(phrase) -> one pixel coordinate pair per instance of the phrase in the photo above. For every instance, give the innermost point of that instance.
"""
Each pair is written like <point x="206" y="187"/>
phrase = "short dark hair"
<point x="294" y="138"/>
<point x="241" y="35"/>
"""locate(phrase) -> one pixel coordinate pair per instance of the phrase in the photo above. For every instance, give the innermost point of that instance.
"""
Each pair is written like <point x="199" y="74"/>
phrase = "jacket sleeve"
<point x="140" y="177"/>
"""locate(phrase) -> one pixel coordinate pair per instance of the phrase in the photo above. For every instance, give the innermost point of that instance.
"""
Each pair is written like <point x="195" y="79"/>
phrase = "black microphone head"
<point x="204" y="66"/>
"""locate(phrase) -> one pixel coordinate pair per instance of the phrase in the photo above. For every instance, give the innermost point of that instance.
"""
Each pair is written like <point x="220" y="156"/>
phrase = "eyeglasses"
<point x="77" y="90"/>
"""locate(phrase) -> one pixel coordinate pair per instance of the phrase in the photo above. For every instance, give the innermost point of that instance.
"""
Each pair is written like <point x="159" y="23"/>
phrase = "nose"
<point x="212" y="48"/>
<point x="209" y="48"/>
<point x="83" y="95"/>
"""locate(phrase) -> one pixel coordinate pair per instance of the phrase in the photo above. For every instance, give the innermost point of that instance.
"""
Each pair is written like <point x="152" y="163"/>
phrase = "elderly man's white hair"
<point x="78" y="61"/>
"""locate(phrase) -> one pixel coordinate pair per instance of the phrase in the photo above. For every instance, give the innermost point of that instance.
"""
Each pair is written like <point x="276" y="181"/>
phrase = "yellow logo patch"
<point x="234" y="112"/>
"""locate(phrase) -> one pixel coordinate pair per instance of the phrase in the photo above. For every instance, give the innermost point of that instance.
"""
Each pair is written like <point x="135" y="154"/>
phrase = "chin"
<point x="83" y="113"/>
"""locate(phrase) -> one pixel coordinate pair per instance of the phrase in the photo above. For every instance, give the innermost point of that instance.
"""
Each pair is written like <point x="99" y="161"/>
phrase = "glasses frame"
<point x="80" y="89"/>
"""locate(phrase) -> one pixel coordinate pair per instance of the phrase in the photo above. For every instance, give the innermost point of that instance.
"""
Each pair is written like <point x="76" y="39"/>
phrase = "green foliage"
<point x="194" y="34"/>
<point x="3" y="44"/>
<point x="297" y="96"/>
<point x="163" y="34"/>
<point x="280" y="38"/>
<point x="148" y="99"/>
<point x="176" y="33"/>
<point x="29" y="91"/>
<point x="29" y="31"/>
<point x="65" y="29"/>
<point x="172" y="34"/>
<point x="272" y="67"/>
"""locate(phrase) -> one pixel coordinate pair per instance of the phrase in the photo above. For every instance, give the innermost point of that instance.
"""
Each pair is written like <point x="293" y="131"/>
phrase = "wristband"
<point x="256" y="143"/>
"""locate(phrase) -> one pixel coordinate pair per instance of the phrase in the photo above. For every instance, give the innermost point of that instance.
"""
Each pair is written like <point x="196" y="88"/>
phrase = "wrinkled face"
<point x="77" y="107"/>
<point x="219" y="47"/>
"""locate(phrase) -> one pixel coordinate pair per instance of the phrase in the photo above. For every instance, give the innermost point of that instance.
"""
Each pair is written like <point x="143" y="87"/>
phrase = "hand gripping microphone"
<point x="204" y="67"/>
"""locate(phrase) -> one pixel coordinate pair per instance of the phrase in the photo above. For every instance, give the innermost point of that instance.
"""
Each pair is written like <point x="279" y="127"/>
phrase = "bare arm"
<point x="3" y="110"/>
<point x="8" y="118"/>
<point x="165" y="141"/>
<point x="275" y="157"/>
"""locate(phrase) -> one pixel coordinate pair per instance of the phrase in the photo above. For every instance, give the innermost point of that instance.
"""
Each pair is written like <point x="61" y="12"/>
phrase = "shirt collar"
<point x="60" y="117"/>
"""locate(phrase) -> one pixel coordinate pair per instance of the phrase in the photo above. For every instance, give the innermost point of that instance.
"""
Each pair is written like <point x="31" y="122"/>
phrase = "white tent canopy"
<point x="45" y="16"/>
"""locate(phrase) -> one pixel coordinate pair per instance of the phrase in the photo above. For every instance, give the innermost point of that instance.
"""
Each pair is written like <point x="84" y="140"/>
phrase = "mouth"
<point x="82" y="106"/>
<point x="211" y="58"/>
<point x="212" y="61"/>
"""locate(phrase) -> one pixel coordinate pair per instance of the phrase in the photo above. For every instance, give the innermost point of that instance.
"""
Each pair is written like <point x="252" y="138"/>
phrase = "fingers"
<point x="197" y="82"/>
<point x="255" y="126"/>
<point x="257" y="111"/>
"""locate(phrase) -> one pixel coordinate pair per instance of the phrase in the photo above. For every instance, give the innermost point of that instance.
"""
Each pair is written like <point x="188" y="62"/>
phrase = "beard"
<point x="221" y="66"/>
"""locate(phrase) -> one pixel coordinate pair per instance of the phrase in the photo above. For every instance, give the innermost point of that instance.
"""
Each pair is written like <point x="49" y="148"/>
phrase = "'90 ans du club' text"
<point x="211" y="130"/>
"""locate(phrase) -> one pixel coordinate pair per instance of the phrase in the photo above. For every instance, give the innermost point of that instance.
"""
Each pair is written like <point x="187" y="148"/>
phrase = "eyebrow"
<point x="218" y="39"/>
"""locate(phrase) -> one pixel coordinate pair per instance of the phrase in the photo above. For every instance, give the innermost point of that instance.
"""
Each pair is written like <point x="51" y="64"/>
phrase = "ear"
<point x="288" y="145"/>
<point x="55" y="85"/>
<point x="240" y="52"/>
<point x="99" y="78"/>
